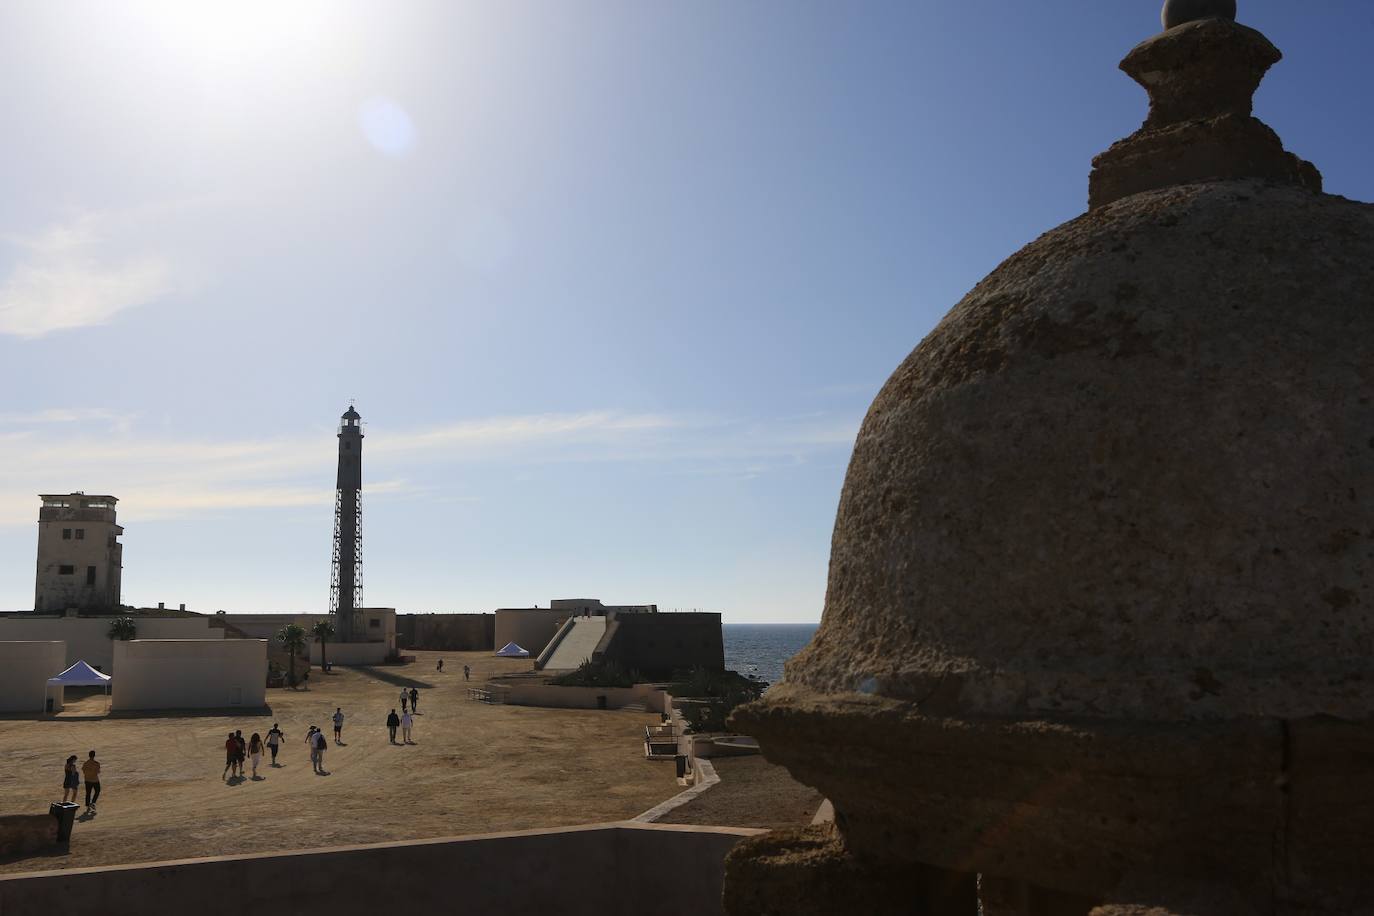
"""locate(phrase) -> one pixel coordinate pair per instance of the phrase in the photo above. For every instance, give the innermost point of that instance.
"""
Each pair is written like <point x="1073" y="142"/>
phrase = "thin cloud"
<point x="65" y="279"/>
<point x="160" y="477"/>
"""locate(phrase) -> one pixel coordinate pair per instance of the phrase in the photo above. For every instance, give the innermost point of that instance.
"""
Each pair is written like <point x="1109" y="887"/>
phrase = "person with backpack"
<point x="321" y="745"/>
<point x="393" y="722"/>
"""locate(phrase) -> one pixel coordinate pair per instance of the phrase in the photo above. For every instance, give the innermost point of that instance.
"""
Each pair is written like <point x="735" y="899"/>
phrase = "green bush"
<point x="597" y="674"/>
<point x="717" y="693"/>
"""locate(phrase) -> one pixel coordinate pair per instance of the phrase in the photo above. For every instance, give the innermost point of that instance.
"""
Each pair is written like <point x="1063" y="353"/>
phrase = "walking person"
<point x="393" y="722"/>
<point x="231" y="755"/>
<point x="255" y="752"/>
<point x="338" y="724"/>
<point x="405" y="698"/>
<point x="414" y="700"/>
<point x="321" y="745"/>
<point x="274" y="740"/>
<point x="314" y="751"/>
<point x="71" y="780"/>
<point x="467" y="673"/>
<point x="407" y="721"/>
<point x="91" y="771"/>
<point x="242" y="750"/>
<point x="440" y="666"/>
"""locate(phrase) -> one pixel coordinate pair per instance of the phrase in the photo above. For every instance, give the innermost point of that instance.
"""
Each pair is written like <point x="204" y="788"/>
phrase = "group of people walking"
<point x="72" y="776"/>
<point x="239" y="751"/>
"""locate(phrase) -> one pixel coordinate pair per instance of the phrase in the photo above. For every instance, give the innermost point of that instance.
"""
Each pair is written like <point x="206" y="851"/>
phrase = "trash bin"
<point x="680" y="760"/>
<point x="50" y="705"/>
<point x="65" y="812"/>
<point x="601" y="701"/>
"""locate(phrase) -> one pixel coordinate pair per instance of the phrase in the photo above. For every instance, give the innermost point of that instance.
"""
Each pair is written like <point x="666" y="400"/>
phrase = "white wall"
<point x="190" y="674"/>
<point x="24" y="671"/>
<point x="86" y="637"/>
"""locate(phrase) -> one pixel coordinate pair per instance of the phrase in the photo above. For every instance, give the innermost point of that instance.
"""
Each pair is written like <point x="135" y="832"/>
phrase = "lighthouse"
<point x="346" y="578"/>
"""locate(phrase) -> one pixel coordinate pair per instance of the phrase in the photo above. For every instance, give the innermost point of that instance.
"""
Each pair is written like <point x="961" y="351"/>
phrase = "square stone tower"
<point x="79" y="554"/>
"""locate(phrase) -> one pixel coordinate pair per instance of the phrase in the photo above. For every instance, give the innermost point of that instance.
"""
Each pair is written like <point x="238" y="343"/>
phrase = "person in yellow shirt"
<point x="91" y="770"/>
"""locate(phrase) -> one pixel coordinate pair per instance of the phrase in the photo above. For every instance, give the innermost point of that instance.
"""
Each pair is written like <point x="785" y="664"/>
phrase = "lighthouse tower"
<point x="346" y="579"/>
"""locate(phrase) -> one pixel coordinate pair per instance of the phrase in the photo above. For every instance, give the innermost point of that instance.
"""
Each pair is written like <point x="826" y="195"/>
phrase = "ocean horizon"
<point x="761" y="649"/>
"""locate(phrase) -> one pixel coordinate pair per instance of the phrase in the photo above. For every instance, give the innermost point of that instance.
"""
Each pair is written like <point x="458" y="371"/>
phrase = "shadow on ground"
<point x="387" y="677"/>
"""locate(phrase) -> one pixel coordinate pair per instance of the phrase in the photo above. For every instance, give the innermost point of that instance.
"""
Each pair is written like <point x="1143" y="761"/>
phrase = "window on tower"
<point x="66" y="534"/>
<point x="65" y="570"/>
<point x="81" y="534"/>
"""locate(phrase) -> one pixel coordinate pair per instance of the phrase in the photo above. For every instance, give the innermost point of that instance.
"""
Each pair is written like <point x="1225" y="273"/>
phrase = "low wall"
<point x="596" y="870"/>
<point x="653" y="698"/>
<point x="25" y="667"/>
<point x="350" y="653"/>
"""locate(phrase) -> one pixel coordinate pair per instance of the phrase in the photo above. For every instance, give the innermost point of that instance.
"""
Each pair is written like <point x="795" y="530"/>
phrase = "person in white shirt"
<point x="407" y="720"/>
<point x="338" y="725"/>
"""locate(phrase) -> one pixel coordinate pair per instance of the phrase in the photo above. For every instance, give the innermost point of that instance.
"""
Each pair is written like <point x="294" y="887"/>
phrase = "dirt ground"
<point x="473" y="768"/>
<point x="751" y="793"/>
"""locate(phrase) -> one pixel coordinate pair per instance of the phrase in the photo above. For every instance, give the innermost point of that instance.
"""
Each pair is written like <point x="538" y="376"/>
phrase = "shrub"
<point x="597" y="674"/>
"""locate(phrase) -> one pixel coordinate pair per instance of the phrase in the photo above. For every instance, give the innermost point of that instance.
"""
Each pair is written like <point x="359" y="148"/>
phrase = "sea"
<point x="759" y="649"/>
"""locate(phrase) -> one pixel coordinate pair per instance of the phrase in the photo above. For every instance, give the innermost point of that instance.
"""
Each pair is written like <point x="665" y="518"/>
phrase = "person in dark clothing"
<point x="393" y="722"/>
<point x="414" y="700"/>
<point x="440" y="666"/>
<point x="467" y="673"/>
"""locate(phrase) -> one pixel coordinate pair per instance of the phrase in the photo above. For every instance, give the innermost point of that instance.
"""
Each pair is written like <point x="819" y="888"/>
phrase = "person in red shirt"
<point x="231" y="756"/>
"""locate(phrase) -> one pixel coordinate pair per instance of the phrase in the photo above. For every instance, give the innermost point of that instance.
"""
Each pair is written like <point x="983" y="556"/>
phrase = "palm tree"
<point x="123" y="628"/>
<point x="324" y="631"/>
<point x="292" y="639"/>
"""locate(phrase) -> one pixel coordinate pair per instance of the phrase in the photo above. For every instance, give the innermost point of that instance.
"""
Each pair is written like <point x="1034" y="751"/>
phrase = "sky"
<point x="611" y="283"/>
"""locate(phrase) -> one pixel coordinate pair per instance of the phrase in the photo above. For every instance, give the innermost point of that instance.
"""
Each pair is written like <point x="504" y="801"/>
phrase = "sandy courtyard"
<point x="474" y="768"/>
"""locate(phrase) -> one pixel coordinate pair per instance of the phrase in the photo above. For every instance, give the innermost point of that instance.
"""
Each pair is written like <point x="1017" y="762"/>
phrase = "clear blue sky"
<point x="611" y="282"/>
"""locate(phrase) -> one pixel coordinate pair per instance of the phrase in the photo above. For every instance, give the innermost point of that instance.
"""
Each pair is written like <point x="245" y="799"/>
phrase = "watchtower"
<point x="79" y="554"/>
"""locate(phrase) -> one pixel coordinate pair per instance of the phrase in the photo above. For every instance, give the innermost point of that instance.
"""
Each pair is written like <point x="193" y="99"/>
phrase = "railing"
<point x="660" y="741"/>
<point x="558" y="637"/>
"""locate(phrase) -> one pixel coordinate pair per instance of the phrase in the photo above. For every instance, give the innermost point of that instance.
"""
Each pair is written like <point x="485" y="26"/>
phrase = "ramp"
<point x="578" y="645"/>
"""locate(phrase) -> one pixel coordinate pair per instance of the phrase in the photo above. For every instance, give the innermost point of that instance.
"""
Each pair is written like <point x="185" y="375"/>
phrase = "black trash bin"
<point x="600" y="701"/>
<point x="65" y="812"/>
<point x="681" y="761"/>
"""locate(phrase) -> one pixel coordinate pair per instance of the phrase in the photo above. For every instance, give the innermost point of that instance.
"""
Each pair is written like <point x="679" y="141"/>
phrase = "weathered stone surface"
<point x="1201" y="78"/>
<point x="809" y="872"/>
<point x="1177" y="12"/>
<point x="1127" y="476"/>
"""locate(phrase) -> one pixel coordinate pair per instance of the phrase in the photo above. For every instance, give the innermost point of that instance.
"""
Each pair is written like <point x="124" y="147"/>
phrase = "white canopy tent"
<point x="82" y="675"/>
<point x="511" y="650"/>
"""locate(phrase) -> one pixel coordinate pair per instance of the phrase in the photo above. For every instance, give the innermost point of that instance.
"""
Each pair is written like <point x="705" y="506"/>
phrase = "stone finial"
<point x="1177" y="12"/>
<point x="1201" y="76"/>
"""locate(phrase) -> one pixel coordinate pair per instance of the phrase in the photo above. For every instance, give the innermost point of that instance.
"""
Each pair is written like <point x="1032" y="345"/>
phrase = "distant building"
<point x="79" y="554"/>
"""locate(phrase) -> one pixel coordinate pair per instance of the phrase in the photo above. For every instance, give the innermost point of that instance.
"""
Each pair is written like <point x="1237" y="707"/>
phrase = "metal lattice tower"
<point x="346" y="575"/>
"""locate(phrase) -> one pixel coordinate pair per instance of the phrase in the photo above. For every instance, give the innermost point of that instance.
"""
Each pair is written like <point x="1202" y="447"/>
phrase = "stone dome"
<point x="1099" y="608"/>
<point x="1130" y="474"/>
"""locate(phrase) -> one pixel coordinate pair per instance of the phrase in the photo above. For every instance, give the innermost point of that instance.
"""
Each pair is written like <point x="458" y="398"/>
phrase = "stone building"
<point x="79" y="553"/>
<point x="1096" y="636"/>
